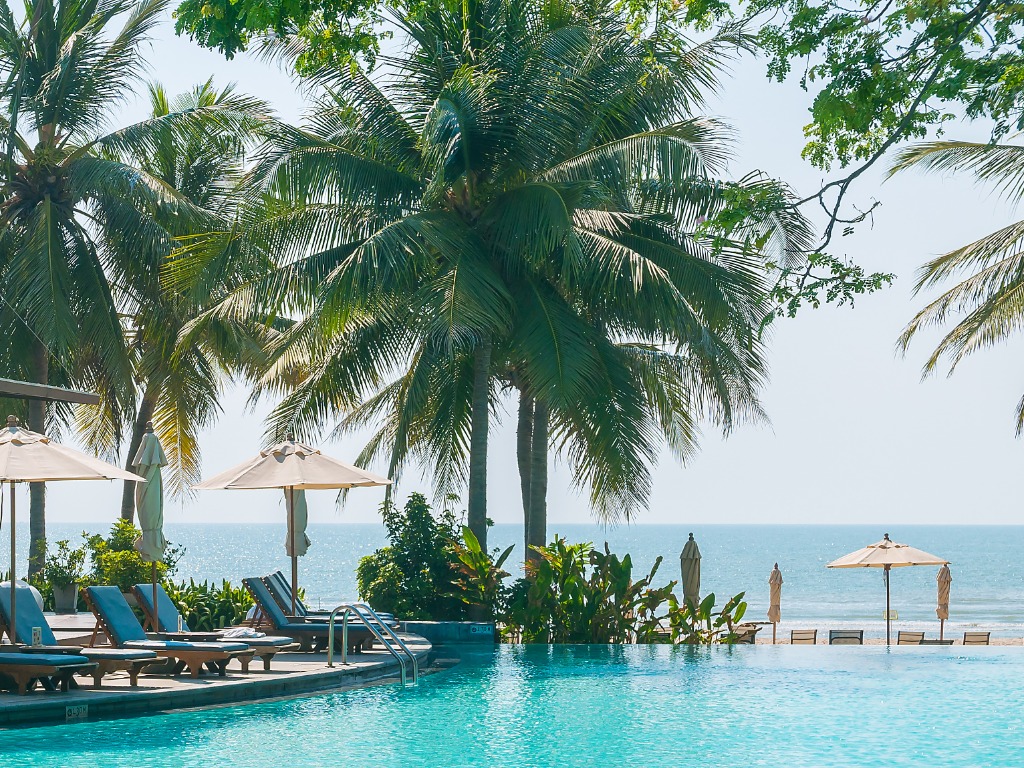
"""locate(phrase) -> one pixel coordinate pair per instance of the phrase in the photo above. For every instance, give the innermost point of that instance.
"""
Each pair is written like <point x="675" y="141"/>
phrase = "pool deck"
<point x="291" y="674"/>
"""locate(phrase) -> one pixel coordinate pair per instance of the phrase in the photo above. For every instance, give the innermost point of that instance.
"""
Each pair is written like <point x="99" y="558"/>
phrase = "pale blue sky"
<point x="854" y="435"/>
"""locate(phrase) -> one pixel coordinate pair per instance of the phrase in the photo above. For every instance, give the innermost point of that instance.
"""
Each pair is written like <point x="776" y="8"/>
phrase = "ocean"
<point x="987" y="564"/>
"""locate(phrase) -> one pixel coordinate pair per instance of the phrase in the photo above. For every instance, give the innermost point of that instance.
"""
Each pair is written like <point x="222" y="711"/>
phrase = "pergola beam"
<point x="27" y="391"/>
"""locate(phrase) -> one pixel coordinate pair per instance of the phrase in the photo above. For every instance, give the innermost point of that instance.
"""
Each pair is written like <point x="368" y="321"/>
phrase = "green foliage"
<point x="479" y="578"/>
<point x="116" y="562"/>
<point x="65" y="566"/>
<point x="699" y="624"/>
<point x="206" y="607"/>
<point x="413" y="577"/>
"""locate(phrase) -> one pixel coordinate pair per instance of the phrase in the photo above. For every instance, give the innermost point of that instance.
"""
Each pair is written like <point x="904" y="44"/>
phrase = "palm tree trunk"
<point x="539" y="480"/>
<point x="37" y="491"/>
<point x="524" y="448"/>
<point x="145" y="414"/>
<point x="477" y="506"/>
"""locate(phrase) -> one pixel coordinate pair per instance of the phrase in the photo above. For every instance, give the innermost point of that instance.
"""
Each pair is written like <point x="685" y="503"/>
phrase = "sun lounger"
<point x="117" y="621"/>
<point x="977" y="638"/>
<point x="846" y="637"/>
<point x="106" y="659"/>
<point x="22" y="671"/>
<point x="803" y="637"/>
<point x="746" y="633"/>
<point x="281" y="589"/>
<point x="263" y="647"/>
<point x="909" y="638"/>
<point x="311" y="635"/>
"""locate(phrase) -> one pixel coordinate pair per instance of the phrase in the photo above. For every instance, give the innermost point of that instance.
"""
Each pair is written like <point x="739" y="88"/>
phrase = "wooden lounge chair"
<point x="263" y="647"/>
<point x="311" y="635"/>
<point x="909" y="638"/>
<point x="21" y="671"/>
<point x="106" y="659"/>
<point x="281" y="589"/>
<point x="846" y="637"/>
<point x="803" y="637"/>
<point x="936" y="642"/>
<point x="977" y="638"/>
<point x="746" y="634"/>
<point x="117" y="621"/>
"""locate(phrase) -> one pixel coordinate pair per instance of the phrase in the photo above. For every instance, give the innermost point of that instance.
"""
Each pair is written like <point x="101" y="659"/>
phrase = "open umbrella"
<point x="775" y="599"/>
<point x="689" y="567"/>
<point x="886" y="554"/>
<point x="944" y="578"/>
<point x="293" y="467"/>
<point x="149" y="503"/>
<point x="28" y="457"/>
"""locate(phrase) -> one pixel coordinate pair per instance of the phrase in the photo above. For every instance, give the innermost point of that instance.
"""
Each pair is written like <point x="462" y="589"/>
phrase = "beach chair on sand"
<point x="803" y="637"/>
<point x="264" y="647"/>
<point x="117" y="621"/>
<point x="977" y="638"/>
<point x="846" y="637"/>
<point x="311" y="635"/>
<point x="909" y="638"/>
<point x="746" y="634"/>
<point x="106" y="660"/>
<point x="281" y="589"/>
<point x="21" y="671"/>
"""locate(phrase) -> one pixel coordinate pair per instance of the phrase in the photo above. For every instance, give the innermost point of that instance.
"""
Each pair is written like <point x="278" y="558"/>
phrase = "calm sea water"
<point x="987" y="566"/>
<point x="577" y="707"/>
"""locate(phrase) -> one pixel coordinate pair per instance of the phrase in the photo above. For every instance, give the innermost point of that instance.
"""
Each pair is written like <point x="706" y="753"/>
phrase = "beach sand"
<point x="823" y="640"/>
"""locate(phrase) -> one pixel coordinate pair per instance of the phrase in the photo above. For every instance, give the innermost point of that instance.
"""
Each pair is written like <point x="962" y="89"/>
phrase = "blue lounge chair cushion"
<point x="117" y="615"/>
<point x="42" y="659"/>
<point x="181" y="645"/>
<point x="167" y="614"/>
<point x="281" y="591"/>
<point x="117" y="654"/>
<point x="29" y="615"/>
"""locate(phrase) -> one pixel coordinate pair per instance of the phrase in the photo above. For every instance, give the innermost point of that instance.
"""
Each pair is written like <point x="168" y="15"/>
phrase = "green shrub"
<point x="115" y="561"/>
<point x="206" y="607"/>
<point x="65" y="566"/>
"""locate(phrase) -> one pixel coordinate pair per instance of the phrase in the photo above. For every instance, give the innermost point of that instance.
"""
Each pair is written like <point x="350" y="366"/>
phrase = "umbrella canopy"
<point x="775" y="595"/>
<point x="149" y="497"/>
<point x="886" y="554"/>
<point x="689" y="567"/>
<point x="943" y="578"/>
<point x="294" y="467"/>
<point x="29" y="457"/>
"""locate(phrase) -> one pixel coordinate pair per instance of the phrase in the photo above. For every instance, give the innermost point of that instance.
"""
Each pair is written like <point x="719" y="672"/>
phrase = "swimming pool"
<point x="599" y="706"/>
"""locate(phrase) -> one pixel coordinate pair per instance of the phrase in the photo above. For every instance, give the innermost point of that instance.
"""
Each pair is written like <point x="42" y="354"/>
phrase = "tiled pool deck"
<point x="291" y="674"/>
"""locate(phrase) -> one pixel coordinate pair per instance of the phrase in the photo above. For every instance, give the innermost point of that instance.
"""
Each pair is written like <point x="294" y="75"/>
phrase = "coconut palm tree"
<point x="517" y="202"/>
<point x="180" y="380"/>
<point x="987" y="296"/>
<point x="67" y="201"/>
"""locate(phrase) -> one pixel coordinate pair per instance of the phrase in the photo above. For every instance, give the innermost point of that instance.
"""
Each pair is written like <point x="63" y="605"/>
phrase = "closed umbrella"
<point x="149" y="504"/>
<point x="689" y="566"/>
<point x="944" y="578"/>
<point x="29" y="457"/>
<point x="775" y="599"/>
<point x="293" y="467"/>
<point x="886" y="554"/>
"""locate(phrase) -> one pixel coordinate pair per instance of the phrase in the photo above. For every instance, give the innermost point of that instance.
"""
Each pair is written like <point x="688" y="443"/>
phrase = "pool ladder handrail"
<point x="358" y="610"/>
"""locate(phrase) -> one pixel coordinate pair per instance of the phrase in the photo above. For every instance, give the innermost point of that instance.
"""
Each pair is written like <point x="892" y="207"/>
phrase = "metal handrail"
<point x="346" y="609"/>
<point x="394" y="635"/>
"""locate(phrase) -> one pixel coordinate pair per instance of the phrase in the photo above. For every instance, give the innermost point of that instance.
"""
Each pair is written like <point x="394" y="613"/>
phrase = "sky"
<point x="854" y="434"/>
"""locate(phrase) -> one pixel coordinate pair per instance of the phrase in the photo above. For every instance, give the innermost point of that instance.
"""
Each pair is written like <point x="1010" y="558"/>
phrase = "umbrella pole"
<point x="156" y="605"/>
<point x="888" y="615"/>
<point x="942" y="627"/>
<point x="774" y="627"/>
<point x="13" y="629"/>
<point x="295" y="559"/>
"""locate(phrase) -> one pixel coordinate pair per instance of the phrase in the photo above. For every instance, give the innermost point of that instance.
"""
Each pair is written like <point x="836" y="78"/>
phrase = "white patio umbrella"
<point x="886" y="554"/>
<point x="943" y="578"/>
<point x="689" y="568"/>
<point x="29" y="457"/>
<point x="149" y="504"/>
<point x="294" y="467"/>
<point x="775" y="599"/>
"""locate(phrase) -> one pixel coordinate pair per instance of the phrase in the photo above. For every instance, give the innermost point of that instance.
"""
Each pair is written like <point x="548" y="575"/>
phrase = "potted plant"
<point x="64" y="570"/>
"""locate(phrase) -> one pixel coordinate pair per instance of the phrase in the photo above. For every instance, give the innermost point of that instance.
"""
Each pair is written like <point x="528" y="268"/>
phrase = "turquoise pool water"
<point x="598" y="706"/>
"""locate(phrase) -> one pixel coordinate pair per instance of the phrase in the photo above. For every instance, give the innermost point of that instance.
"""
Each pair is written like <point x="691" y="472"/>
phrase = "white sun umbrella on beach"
<point x="149" y="504"/>
<point x="943" y="578"/>
<point x="886" y="554"/>
<point x="29" y="457"/>
<point x="293" y="467"/>
<point x="775" y="599"/>
<point x="689" y="568"/>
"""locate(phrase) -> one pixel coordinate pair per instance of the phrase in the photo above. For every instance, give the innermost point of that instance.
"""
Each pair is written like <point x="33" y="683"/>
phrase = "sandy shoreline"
<point x="823" y="640"/>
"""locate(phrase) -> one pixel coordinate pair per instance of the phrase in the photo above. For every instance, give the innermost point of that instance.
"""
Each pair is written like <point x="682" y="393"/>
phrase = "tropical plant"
<point x="206" y="607"/>
<point x="67" y="202"/>
<point x="479" y="577"/>
<point x="413" y="577"/>
<point x="987" y="298"/>
<point x="519" y="205"/>
<point x="116" y="562"/>
<point x="65" y="565"/>
<point x="697" y="623"/>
